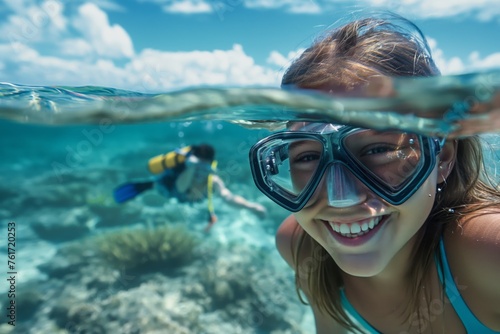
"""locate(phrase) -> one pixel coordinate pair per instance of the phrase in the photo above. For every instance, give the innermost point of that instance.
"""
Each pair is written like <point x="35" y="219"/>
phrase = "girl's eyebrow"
<point x="296" y="145"/>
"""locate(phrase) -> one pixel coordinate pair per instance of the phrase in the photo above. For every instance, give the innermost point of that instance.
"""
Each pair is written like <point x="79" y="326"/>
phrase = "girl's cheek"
<point x="302" y="219"/>
<point x="306" y="221"/>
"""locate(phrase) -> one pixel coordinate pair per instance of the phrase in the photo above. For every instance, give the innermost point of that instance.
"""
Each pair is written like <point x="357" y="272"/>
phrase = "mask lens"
<point x="291" y="164"/>
<point x="393" y="158"/>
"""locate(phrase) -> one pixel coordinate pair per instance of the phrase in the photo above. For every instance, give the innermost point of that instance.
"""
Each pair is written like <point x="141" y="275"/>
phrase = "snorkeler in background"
<point x="398" y="231"/>
<point x="188" y="174"/>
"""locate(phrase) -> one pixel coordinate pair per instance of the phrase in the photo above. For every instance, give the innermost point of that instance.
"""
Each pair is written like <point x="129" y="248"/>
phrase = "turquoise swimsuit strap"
<point x="354" y="314"/>
<point x="469" y="320"/>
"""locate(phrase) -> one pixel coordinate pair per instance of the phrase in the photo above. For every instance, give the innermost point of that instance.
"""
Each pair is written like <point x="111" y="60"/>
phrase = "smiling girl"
<point x="392" y="232"/>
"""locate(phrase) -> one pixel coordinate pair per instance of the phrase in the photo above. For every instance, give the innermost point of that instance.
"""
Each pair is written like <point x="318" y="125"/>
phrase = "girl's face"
<point x="364" y="238"/>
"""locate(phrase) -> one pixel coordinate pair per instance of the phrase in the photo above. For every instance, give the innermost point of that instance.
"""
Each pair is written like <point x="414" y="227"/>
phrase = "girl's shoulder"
<point x="473" y="248"/>
<point x="287" y="240"/>
<point x="477" y="238"/>
<point x="287" y="237"/>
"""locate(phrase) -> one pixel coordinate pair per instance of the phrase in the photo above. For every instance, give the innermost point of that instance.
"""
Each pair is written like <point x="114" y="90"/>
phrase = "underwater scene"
<point x="85" y="264"/>
<point x="81" y="257"/>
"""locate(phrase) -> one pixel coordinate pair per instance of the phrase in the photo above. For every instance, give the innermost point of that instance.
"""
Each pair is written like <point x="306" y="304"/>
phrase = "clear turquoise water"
<point x="431" y="106"/>
<point x="63" y="150"/>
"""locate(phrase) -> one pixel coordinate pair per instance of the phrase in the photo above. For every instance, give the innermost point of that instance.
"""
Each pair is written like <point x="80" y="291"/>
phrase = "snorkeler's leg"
<point x="128" y="191"/>
<point x="163" y="184"/>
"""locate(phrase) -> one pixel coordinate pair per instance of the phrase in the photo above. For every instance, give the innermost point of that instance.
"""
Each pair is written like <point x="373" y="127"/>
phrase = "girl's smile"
<point x="364" y="238"/>
<point x="356" y="232"/>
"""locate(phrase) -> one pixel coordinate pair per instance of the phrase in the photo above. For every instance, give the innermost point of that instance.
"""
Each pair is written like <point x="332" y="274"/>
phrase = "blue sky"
<point x="164" y="45"/>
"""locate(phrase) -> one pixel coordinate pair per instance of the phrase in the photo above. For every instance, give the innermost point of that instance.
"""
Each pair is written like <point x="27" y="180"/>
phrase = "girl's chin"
<point x="361" y="265"/>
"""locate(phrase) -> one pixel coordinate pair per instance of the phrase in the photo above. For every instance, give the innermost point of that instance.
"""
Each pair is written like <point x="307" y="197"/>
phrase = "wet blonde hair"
<point x="357" y="51"/>
<point x="344" y="59"/>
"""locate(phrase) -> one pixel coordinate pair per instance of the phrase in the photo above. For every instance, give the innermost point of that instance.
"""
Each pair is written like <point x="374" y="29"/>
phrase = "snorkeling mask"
<point x="288" y="166"/>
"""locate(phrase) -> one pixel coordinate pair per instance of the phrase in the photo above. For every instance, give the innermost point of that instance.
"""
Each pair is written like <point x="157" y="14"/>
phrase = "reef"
<point x="148" y="249"/>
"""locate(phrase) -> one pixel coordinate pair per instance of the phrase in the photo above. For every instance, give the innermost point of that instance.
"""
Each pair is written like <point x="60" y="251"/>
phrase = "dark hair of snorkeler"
<point x="203" y="151"/>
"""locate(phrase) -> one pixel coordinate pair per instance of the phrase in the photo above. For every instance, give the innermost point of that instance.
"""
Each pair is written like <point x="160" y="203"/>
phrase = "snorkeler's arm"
<point x="237" y="200"/>
<point x="474" y="259"/>
<point x="287" y="238"/>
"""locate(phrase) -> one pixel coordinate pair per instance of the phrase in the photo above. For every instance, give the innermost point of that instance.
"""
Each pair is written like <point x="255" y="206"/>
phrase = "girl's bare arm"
<point x="237" y="200"/>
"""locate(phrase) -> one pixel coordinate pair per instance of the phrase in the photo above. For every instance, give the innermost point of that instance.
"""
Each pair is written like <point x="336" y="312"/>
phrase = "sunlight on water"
<point x="431" y="106"/>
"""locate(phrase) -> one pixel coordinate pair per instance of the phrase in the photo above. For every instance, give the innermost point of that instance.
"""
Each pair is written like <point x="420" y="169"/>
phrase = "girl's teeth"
<point x="355" y="229"/>
<point x="344" y="229"/>
<point x="371" y="224"/>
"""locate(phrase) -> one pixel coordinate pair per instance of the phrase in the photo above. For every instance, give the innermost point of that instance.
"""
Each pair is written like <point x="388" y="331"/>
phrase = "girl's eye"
<point x="307" y="157"/>
<point x="379" y="150"/>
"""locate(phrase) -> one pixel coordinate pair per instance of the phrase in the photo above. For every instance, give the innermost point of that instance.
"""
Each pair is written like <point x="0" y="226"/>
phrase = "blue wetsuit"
<point x="166" y="184"/>
<point x="471" y="323"/>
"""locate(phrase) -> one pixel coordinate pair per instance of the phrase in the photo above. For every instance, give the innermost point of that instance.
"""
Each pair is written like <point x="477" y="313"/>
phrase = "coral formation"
<point x="148" y="249"/>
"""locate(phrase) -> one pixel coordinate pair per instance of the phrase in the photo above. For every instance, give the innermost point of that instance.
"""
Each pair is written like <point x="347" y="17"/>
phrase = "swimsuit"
<point x="471" y="323"/>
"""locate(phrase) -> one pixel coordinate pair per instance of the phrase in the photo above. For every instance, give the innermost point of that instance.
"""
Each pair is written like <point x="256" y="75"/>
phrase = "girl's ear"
<point x="447" y="158"/>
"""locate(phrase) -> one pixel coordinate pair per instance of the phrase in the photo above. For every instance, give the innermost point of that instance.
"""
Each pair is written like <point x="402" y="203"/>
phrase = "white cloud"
<point x="481" y="9"/>
<point x="18" y="5"/>
<point x="188" y="7"/>
<point x="171" y="70"/>
<point x="31" y="22"/>
<point x="26" y="66"/>
<point x="110" y="5"/>
<point x="490" y="61"/>
<point x="17" y="52"/>
<point x="455" y="65"/>
<point x="106" y="40"/>
<point x="276" y="58"/>
<point x="149" y="71"/>
<point x="447" y="66"/>
<point x="45" y="25"/>
<point x="98" y="43"/>
<point x="305" y="7"/>
<point x="75" y="47"/>
<point x="223" y="6"/>
<point x="160" y="71"/>
<point x="290" y="6"/>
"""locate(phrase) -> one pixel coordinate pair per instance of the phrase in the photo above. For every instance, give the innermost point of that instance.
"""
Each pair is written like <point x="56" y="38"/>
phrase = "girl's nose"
<point x="343" y="188"/>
